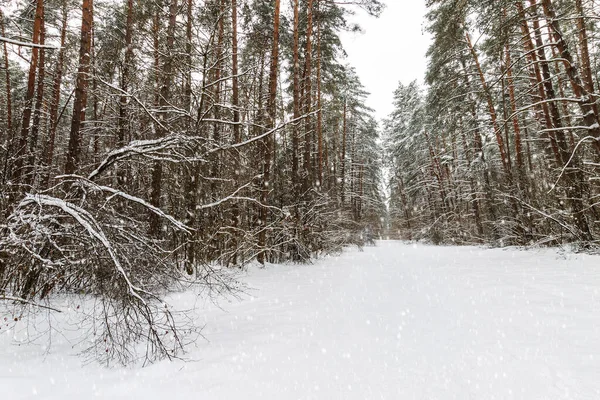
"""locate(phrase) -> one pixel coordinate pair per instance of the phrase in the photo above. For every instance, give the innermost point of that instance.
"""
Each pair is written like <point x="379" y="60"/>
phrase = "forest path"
<point x="397" y="321"/>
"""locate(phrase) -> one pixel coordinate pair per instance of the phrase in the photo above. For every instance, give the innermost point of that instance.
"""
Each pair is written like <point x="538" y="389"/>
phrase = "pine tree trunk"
<point x="81" y="91"/>
<point x="296" y="103"/>
<point x="164" y="98"/>
<point x="557" y="134"/>
<point x="343" y="158"/>
<point x="29" y="177"/>
<point x="235" y="102"/>
<point x="587" y="75"/>
<point x="532" y="55"/>
<point x="268" y="141"/>
<point x="319" y="104"/>
<point x="215" y="161"/>
<point x="188" y="58"/>
<point x="125" y="77"/>
<point x="93" y="130"/>
<point x="513" y="108"/>
<point x="30" y="93"/>
<point x="307" y="101"/>
<point x="58" y="74"/>
<point x="8" y="84"/>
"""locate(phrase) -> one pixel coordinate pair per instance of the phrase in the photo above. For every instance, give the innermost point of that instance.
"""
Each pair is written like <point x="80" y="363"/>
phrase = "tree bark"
<point x="237" y="137"/>
<point x="513" y="108"/>
<point x="296" y="102"/>
<point x="30" y="93"/>
<point x="58" y="74"/>
<point x="532" y="56"/>
<point x="268" y="141"/>
<point x="164" y="99"/>
<point x="343" y="159"/>
<point x="7" y="77"/>
<point x="557" y="136"/>
<point x="125" y="77"/>
<point x="307" y="101"/>
<point x="29" y="177"/>
<point x="80" y="102"/>
<point x="319" y="103"/>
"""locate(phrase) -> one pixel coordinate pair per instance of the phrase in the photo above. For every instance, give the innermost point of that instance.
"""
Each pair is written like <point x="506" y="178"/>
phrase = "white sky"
<point x="391" y="50"/>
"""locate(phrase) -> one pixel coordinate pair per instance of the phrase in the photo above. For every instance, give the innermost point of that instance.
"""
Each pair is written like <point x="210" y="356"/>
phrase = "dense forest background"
<point x="235" y="118"/>
<point x="147" y="144"/>
<point x="503" y="145"/>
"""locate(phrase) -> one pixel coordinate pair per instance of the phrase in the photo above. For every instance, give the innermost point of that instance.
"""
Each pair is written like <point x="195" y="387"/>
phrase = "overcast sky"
<point x="390" y="50"/>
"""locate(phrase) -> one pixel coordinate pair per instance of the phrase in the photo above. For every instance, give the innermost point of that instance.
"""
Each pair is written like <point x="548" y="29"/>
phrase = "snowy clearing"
<point x="399" y="321"/>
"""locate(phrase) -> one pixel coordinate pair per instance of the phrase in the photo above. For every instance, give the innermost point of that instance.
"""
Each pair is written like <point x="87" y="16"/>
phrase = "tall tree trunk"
<point x="8" y="139"/>
<point x="539" y="83"/>
<point x="29" y="178"/>
<point x="237" y="137"/>
<point x="218" y="72"/>
<point x="80" y="102"/>
<point x="125" y="77"/>
<point x="191" y="190"/>
<point x="165" y="97"/>
<point x="557" y="135"/>
<point x="58" y="74"/>
<point x="319" y="102"/>
<point x="343" y="158"/>
<point x="123" y="134"/>
<point x="587" y="75"/>
<point x="188" y="58"/>
<point x="7" y="77"/>
<point x="215" y="159"/>
<point x="30" y="93"/>
<point x="513" y="108"/>
<point x="296" y="102"/>
<point x="268" y="141"/>
<point x="94" y="98"/>
<point x="235" y="91"/>
<point x="307" y="101"/>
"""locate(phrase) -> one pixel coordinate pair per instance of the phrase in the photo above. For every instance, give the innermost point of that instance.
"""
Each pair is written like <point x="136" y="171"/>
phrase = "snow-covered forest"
<point x="503" y="144"/>
<point x="148" y="144"/>
<point x="157" y="156"/>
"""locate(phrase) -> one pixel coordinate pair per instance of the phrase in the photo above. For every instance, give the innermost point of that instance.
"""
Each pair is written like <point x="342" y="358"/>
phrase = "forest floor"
<point x="397" y="321"/>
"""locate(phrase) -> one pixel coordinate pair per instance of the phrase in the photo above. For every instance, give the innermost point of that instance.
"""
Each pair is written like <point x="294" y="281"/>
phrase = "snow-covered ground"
<point x="399" y="321"/>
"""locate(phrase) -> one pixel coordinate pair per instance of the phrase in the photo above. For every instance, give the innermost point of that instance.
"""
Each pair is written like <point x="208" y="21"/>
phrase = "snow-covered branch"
<point x="27" y="44"/>
<point x="118" y="193"/>
<point x="91" y="226"/>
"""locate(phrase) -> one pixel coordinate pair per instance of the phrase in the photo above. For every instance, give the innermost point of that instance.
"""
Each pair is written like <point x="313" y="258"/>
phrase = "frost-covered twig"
<point x="29" y="302"/>
<point x="569" y="162"/>
<point x="543" y="214"/>
<point x="175" y="222"/>
<point x="264" y="135"/>
<point x="143" y="148"/>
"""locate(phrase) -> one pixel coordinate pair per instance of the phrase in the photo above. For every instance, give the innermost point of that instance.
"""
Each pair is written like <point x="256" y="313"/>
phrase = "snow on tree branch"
<point x="27" y="44"/>
<point x="87" y="221"/>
